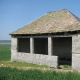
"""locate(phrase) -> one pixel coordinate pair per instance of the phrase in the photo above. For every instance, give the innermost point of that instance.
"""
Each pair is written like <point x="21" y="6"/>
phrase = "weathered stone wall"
<point x="76" y="61"/>
<point x="50" y="59"/>
<point x="31" y="57"/>
<point x="13" y="49"/>
<point x="39" y="59"/>
<point x="76" y="52"/>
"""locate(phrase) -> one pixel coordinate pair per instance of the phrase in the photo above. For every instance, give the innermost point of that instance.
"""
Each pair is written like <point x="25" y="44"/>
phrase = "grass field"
<point x="18" y="74"/>
<point x="8" y="72"/>
<point x="5" y="52"/>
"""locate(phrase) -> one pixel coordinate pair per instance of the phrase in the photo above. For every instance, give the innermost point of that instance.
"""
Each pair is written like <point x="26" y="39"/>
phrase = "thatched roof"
<point x="51" y="22"/>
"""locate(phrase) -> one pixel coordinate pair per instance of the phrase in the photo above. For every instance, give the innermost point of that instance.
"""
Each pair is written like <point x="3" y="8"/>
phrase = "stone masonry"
<point x="31" y="57"/>
<point x="51" y="60"/>
<point x="14" y="54"/>
<point x="76" y="52"/>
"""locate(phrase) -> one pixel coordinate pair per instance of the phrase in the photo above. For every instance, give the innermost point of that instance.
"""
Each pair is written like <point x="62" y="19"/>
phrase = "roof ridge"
<point x="73" y="16"/>
<point x="56" y="10"/>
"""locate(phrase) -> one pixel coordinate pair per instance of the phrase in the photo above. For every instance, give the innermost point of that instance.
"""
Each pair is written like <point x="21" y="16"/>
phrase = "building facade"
<point x="53" y="39"/>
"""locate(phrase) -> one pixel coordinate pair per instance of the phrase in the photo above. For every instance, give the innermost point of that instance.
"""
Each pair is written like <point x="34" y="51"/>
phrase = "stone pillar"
<point x="31" y="45"/>
<point x="76" y="52"/>
<point x="14" y="49"/>
<point x="50" y="46"/>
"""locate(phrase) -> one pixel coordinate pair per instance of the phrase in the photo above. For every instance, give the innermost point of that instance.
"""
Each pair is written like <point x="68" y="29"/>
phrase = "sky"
<point x="14" y="14"/>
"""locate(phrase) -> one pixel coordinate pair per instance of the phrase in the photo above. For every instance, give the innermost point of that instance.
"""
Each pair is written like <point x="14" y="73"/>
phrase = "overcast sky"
<point x="16" y="13"/>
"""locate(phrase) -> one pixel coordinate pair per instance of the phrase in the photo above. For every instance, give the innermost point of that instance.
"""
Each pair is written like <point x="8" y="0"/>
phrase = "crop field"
<point x="14" y="70"/>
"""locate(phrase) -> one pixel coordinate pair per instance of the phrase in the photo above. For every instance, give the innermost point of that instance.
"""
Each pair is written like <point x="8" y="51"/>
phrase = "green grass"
<point x="7" y="73"/>
<point x="5" y="53"/>
<point x="23" y="65"/>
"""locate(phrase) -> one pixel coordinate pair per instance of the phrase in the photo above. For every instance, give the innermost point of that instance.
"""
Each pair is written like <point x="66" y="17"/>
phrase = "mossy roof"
<point x="51" y="22"/>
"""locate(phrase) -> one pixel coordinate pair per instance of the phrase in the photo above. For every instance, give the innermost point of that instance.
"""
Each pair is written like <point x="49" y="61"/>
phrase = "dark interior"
<point x="24" y="45"/>
<point x="62" y="47"/>
<point x="41" y="46"/>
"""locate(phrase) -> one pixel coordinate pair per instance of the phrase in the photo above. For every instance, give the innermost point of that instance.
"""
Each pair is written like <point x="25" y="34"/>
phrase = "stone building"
<point x="53" y="39"/>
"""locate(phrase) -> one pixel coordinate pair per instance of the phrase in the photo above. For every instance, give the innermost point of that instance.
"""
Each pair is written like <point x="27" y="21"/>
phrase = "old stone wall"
<point x="76" y="52"/>
<point x="13" y="49"/>
<point x="61" y="47"/>
<point x="39" y="59"/>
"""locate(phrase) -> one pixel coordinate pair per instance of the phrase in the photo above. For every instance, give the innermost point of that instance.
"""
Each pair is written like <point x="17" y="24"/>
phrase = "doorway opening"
<point x="62" y="47"/>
